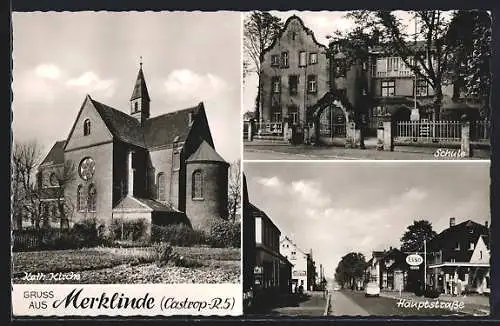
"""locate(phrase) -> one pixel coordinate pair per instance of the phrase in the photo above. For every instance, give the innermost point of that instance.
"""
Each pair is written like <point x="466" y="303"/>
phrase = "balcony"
<point x="390" y="74"/>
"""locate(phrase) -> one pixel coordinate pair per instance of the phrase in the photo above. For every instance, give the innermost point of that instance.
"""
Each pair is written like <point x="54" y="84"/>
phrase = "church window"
<point x="161" y="186"/>
<point x="176" y="160"/>
<point x="136" y="107"/>
<point x="79" y="198"/>
<point x="197" y="185"/>
<point x="53" y="180"/>
<point x="92" y="198"/>
<point x="86" y="127"/>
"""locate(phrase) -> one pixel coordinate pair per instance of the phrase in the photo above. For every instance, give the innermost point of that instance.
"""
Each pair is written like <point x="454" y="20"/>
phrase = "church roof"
<point x="56" y="154"/>
<point x="129" y="203"/>
<point x="120" y="124"/>
<point x="157" y="131"/>
<point x="140" y="89"/>
<point x="164" y="129"/>
<point x="205" y="153"/>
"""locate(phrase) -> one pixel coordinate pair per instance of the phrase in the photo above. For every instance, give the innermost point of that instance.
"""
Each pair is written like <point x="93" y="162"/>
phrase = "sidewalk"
<point x="475" y="304"/>
<point x="277" y="150"/>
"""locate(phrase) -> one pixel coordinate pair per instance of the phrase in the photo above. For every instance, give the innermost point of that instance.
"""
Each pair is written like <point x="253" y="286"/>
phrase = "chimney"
<point x="130" y="171"/>
<point x="452" y="221"/>
<point x="486" y="224"/>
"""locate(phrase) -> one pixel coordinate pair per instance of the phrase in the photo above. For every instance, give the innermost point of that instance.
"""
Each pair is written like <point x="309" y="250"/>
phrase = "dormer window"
<point x="86" y="127"/>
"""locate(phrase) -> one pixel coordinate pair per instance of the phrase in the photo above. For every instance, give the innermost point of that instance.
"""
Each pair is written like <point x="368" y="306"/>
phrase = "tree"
<point x="431" y="61"/>
<point x="413" y="238"/>
<point x="260" y="29"/>
<point x="64" y="176"/>
<point x="350" y="269"/>
<point x="469" y="34"/>
<point x="234" y="190"/>
<point x="26" y="157"/>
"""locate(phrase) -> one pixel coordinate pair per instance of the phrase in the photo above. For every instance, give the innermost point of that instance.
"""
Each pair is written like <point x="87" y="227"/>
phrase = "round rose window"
<point x="87" y="168"/>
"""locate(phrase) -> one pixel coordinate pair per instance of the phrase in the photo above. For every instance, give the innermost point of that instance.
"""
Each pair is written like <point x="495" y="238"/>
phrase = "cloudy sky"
<point x="322" y="23"/>
<point x="188" y="58"/>
<point x="338" y="207"/>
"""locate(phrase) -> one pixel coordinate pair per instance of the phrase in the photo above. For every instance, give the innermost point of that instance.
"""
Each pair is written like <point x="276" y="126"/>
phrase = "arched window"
<point x="53" y="180"/>
<point x="91" y="200"/>
<point x="197" y="192"/>
<point x="79" y="198"/>
<point x="136" y="107"/>
<point x="161" y="186"/>
<point x="86" y="127"/>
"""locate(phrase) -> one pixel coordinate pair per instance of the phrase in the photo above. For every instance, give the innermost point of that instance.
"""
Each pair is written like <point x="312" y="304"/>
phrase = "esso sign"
<point x="414" y="260"/>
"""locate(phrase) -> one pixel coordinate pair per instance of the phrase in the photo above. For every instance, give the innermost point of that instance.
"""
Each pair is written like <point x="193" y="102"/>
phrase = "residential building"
<point x="266" y="272"/>
<point x="373" y="270"/>
<point x="163" y="169"/>
<point x="394" y="270"/>
<point x="460" y="254"/>
<point x="303" y="271"/>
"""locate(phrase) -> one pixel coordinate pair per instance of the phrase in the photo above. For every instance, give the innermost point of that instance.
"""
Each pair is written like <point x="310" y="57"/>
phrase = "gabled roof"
<point x="170" y="127"/>
<point x="157" y="131"/>
<point x="56" y="154"/>
<point x="140" y="89"/>
<point x="123" y="126"/>
<point x="285" y="27"/>
<point x="205" y="153"/>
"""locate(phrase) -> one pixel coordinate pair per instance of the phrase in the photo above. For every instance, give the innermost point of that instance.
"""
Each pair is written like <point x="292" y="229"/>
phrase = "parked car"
<point x="336" y="288"/>
<point x="372" y="290"/>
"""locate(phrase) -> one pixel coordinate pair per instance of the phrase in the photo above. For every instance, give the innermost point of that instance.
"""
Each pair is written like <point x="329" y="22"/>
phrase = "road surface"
<point x="354" y="303"/>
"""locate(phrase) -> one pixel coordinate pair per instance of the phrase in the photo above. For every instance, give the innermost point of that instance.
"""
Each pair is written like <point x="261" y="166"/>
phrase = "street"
<point x="262" y="151"/>
<point x="312" y="304"/>
<point x="347" y="302"/>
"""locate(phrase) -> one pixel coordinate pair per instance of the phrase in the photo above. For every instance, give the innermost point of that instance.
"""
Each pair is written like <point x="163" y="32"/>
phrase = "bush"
<point x="180" y="261"/>
<point x="163" y="253"/>
<point x="131" y="230"/>
<point x="225" y="234"/>
<point x="178" y="235"/>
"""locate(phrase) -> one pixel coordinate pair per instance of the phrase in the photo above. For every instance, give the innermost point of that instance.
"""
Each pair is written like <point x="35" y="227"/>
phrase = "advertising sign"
<point x="414" y="260"/>
<point x="299" y="273"/>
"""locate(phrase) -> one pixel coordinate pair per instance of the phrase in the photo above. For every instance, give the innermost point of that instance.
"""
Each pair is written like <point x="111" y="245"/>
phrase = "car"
<point x="336" y="288"/>
<point x="372" y="290"/>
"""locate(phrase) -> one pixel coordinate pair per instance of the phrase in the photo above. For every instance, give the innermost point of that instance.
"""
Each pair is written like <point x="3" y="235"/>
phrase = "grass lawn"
<point x="130" y="265"/>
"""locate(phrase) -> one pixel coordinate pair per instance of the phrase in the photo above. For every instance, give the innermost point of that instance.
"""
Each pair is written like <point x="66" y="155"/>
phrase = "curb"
<point x="328" y="305"/>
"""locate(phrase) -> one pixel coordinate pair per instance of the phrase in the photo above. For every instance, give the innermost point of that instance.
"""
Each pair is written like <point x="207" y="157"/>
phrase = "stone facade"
<point x="295" y="73"/>
<point x="135" y="166"/>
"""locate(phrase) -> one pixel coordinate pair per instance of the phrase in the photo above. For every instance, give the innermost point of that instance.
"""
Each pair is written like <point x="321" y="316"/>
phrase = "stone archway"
<point x="330" y="123"/>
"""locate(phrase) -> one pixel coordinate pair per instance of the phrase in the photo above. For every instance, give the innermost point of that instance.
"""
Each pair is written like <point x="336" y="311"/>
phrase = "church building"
<point x="163" y="169"/>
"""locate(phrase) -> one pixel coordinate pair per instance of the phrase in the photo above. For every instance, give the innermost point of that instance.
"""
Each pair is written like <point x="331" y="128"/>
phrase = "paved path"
<point x="304" y="152"/>
<point x="342" y="305"/>
<point x="314" y="306"/>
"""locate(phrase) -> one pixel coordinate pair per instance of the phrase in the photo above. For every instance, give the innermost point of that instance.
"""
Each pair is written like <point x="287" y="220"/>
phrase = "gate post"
<point x="465" y="144"/>
<point x="350" y="139"/>
<point x="380" y="137"/>
<point x="250" y="130"/>
<point x="388" y="135"/>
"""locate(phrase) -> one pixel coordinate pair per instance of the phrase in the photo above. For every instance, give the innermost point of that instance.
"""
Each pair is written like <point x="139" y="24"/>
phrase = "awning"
<point x="459" y="264"/>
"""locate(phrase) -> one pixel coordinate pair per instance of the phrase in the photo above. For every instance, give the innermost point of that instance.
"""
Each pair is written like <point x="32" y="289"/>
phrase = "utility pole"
<point x="425" y="264"/>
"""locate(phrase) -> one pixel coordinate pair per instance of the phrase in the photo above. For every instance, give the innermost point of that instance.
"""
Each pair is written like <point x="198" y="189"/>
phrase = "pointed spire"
<point x="140" y="89"/>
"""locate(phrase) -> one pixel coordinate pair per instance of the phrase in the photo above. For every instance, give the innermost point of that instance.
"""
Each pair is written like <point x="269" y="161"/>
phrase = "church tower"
<point x="139" y="102"/>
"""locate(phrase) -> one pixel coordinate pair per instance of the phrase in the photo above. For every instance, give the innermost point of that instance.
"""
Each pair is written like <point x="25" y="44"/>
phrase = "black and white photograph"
<point x="366" y="238"/>
<point x="388" y="85"/>
<point x="126" y="155"/>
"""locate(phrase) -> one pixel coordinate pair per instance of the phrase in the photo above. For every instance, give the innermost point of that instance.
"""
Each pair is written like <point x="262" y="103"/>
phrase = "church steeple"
<point x="139" y="101"/>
